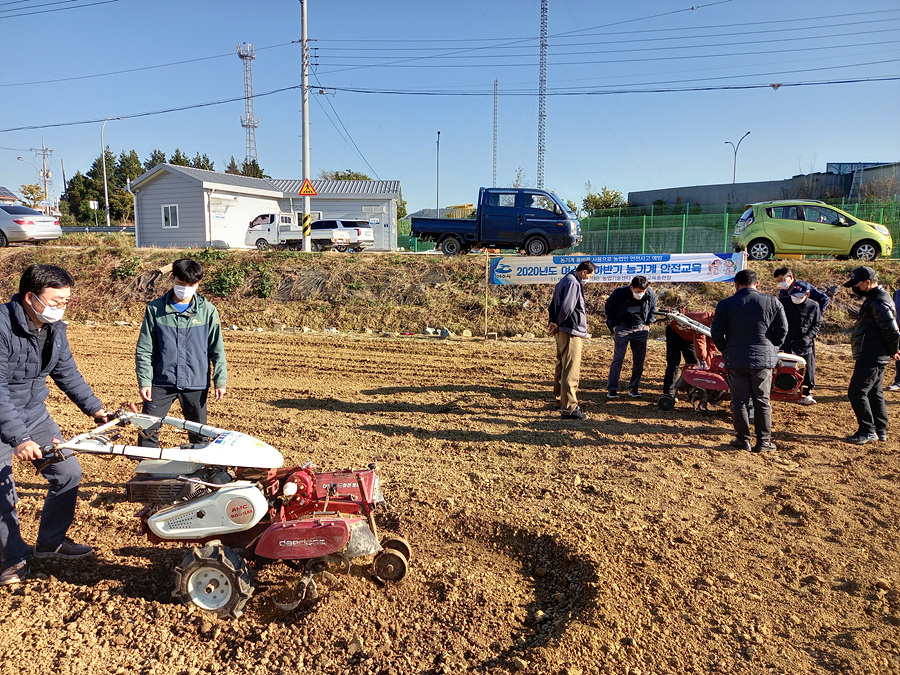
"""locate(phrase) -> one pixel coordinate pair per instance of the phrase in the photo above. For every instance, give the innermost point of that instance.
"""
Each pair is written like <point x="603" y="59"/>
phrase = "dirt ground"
<point x="634" y="542"/>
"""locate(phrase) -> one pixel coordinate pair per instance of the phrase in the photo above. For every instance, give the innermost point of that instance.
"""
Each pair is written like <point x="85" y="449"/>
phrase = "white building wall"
<point x="381" y="213"/>
<point x="230" y="214"/>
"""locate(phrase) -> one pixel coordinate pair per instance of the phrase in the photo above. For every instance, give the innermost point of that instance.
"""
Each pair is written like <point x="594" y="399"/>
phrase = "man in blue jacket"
<point x="875" y="342"/>
<point x="33" y="345"/>
<point x="804" y="319"/>
<point x="568" y="324"/>
<point x="784" y="277"/>
<point x="749" y="327"/>
<point x="630" y="311"/>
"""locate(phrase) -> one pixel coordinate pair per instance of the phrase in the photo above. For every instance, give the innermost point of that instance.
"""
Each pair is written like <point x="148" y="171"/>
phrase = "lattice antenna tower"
<point x="248" y="120"/>
<point x="542" y="96"/>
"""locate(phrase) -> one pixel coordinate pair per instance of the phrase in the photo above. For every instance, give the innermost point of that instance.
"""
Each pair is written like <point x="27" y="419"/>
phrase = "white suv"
<point x="361" y="235"/>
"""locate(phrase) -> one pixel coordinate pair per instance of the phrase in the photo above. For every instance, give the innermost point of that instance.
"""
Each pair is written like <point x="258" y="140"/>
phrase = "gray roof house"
<point x="7" y="196"/>
<point x="178" y="206"/>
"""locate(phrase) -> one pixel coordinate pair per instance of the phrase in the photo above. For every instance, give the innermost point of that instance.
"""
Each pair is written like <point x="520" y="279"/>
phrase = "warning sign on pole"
<point x="307" y="190"/>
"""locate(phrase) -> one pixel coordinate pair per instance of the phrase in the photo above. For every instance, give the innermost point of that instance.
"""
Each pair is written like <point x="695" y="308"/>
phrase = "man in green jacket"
<point x="180" y="336"/>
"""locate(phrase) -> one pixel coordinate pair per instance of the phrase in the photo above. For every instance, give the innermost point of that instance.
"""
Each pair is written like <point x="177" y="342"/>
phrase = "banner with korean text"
<point x="658" y="268"/>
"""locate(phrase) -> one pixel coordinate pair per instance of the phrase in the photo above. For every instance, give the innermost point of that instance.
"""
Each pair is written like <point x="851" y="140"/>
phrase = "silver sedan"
<point x="20" y="223"/>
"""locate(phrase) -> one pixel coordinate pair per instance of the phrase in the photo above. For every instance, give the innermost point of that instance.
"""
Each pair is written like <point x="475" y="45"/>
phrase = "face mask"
<point x="784" y="285"/>
<point x="858" y="292"/>
<point x="50" y="314"/>
<point x="184" y="293"/>
<point x="638" y="296"/>
<point x="798" y="299"/>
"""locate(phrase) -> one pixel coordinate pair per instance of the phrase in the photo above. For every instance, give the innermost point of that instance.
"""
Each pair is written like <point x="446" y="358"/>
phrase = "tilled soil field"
<point x="634" y="542"/>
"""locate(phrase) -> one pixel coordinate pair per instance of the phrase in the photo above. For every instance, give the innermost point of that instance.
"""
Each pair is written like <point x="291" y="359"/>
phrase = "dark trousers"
<point x="59" y="505"/>
<point x="751" y="384"/>
<point x="193" y="407"/>
<point x="897" y="375"/>
<point x="622" y="338"/>
<point x="867" y="398"/>
<point x="676" y="347"/>
<point x="809" y="377"/>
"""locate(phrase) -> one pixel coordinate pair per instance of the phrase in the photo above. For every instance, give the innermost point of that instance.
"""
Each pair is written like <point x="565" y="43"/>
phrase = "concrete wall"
<point x="880" y="182"/>
<point x="811" y="186"/>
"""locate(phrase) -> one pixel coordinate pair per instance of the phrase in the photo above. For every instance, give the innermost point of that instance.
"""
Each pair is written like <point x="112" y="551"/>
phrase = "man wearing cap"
<point x="784" y="277"/>
<point x="804" y="321"/>
<point x="749" y="327"/>
<point x="875" y="341"/>
<point x="896" y="385"/>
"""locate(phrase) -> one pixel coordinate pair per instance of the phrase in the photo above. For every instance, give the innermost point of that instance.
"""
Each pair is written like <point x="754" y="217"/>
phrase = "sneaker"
<point x="738" y="444"/>
<point x="882" y="435"/>
<point x="14" y="574"/>
<point x="67" y="550"/>
<point x="576" y="414"/>
<point x="764" y="446"/>
<point x="894" y="387"/>
<point x="612" y="394"/>
<point x="634" y="394"/>
<point x="808" y="400"/>
<point x="860" y="438"/>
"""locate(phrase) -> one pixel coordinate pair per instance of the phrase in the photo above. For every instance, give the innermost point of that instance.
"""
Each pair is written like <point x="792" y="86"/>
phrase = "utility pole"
<point x="437" y="183"/>
<point x="494" y="184"/>
<point x="304" y="113"/>
<point x="542" y="96"/>
<point x="45" y="154"/>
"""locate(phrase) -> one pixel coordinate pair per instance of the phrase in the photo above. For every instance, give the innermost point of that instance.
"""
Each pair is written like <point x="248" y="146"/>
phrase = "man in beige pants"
<point x="568" y="323"/>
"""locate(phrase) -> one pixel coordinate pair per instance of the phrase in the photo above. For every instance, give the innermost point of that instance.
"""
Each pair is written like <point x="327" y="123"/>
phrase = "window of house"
<point x="170" y="215"/>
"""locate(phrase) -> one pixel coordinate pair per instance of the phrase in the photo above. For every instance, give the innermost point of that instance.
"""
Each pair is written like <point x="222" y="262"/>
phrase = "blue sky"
<point x="395" y="73"/>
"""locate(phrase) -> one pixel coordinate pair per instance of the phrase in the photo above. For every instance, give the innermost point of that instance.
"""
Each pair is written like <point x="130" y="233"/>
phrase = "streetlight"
<point x="438" y="180"/>
<point x="40" y="177"/>
<point x="734" y="172"/>
<point x="103" y="161"/>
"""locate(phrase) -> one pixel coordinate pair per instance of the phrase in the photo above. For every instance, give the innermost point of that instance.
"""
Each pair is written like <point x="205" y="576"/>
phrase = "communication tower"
<point x="248" y="120"/>
<point x="542" y="95"/>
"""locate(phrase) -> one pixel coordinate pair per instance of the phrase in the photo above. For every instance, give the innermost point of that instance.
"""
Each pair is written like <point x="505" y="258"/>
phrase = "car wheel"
<point x="451" y="246"/>
<point x="341" y="249"/>
<point x="865" y="250"/>
<point x="262" y="244"/>
<point x="760" y="249"/>
<point x="4" y="242"/>
<point x="536" y="246"/>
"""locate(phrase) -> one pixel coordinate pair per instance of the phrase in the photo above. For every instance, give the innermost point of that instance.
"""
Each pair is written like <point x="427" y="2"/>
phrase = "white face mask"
<point x="638" y="296"/>
<point x="784" y="285"/>
<point x="50" y="314"/>
<point x="184" y="293"/>
<point x="798" y="299"/>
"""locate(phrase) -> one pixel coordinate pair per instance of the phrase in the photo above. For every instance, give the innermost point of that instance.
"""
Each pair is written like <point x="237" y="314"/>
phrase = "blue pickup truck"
<point x="526" y="219"/>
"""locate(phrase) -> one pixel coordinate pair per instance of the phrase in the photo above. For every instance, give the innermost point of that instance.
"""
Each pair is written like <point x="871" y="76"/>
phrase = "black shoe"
<point x="634" y="394"/>
<point x="860" y="438"/>
<point x="576" y="414"/>
<point x="765" y="446"/>
<point x="738" y="444"/>
<point x="882" y="435"/>
<point x="612" y="394"/>
<point x="557" y="408"/>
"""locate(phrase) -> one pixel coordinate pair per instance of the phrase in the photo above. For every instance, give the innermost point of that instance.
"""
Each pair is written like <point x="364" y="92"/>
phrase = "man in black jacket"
<point x="568" y="325"/>
<point x="804" y="321"/>
<point x="875" y="341"/>
<point x="749" y="327"/>
<point x="33" y="345"/>
<point x="630" y="312"/>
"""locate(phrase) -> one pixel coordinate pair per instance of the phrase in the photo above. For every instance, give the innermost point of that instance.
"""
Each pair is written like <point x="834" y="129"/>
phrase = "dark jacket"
<point x="175" y="348"/>
<point x="749" y="327"/>
<point x="623" y="310"/>
<point x="804" y="322"/>
<point x="567" y="307"/>
<point x="23" y="378"/>
<point x="820" y="298"/>
<point x="875" y="336"/>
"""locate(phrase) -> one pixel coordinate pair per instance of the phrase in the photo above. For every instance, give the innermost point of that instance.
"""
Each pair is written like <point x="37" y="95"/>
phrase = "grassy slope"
<point x="381" y="292"/>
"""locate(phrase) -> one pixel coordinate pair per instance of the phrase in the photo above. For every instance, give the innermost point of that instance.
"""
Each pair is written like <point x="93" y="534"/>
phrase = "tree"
<point x="572" y="207"/>
<point x="252" y="169"/>
<point x="401" y="206"/>
<point x="233" y="168"/>
<point x="128" y="168"/>
<point x="349" y="174"/>
<point x="519" y="181"/>
<point x="605" y="199"/>
<point x="32" y="194"/>
<point x="203" y="162"/>
<point x="179" y="158"/>
<point x="156" y="157"/>
<point x="75" y="195"/>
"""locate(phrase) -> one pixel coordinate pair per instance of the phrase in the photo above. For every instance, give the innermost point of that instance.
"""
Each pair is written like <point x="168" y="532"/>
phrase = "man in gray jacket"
<point x="749" y="327"/>
<point x="568" y="323"/>
<point x="875" y="342"/>
<point x="33" y="346"/>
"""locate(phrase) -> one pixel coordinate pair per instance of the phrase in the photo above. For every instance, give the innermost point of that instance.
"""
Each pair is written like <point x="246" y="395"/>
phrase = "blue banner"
<point x="657" y="267"/>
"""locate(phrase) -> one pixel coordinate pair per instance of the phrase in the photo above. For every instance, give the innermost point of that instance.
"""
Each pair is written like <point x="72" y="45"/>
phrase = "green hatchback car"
<point x="808" y="227"/>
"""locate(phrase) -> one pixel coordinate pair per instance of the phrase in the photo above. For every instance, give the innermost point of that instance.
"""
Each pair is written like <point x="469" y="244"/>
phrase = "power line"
<point x="348" y="136"/>
<point x="57" y="9"/>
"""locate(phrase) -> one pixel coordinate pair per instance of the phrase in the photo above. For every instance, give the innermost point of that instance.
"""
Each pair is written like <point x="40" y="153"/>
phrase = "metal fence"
<point x="681" y="228"/>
